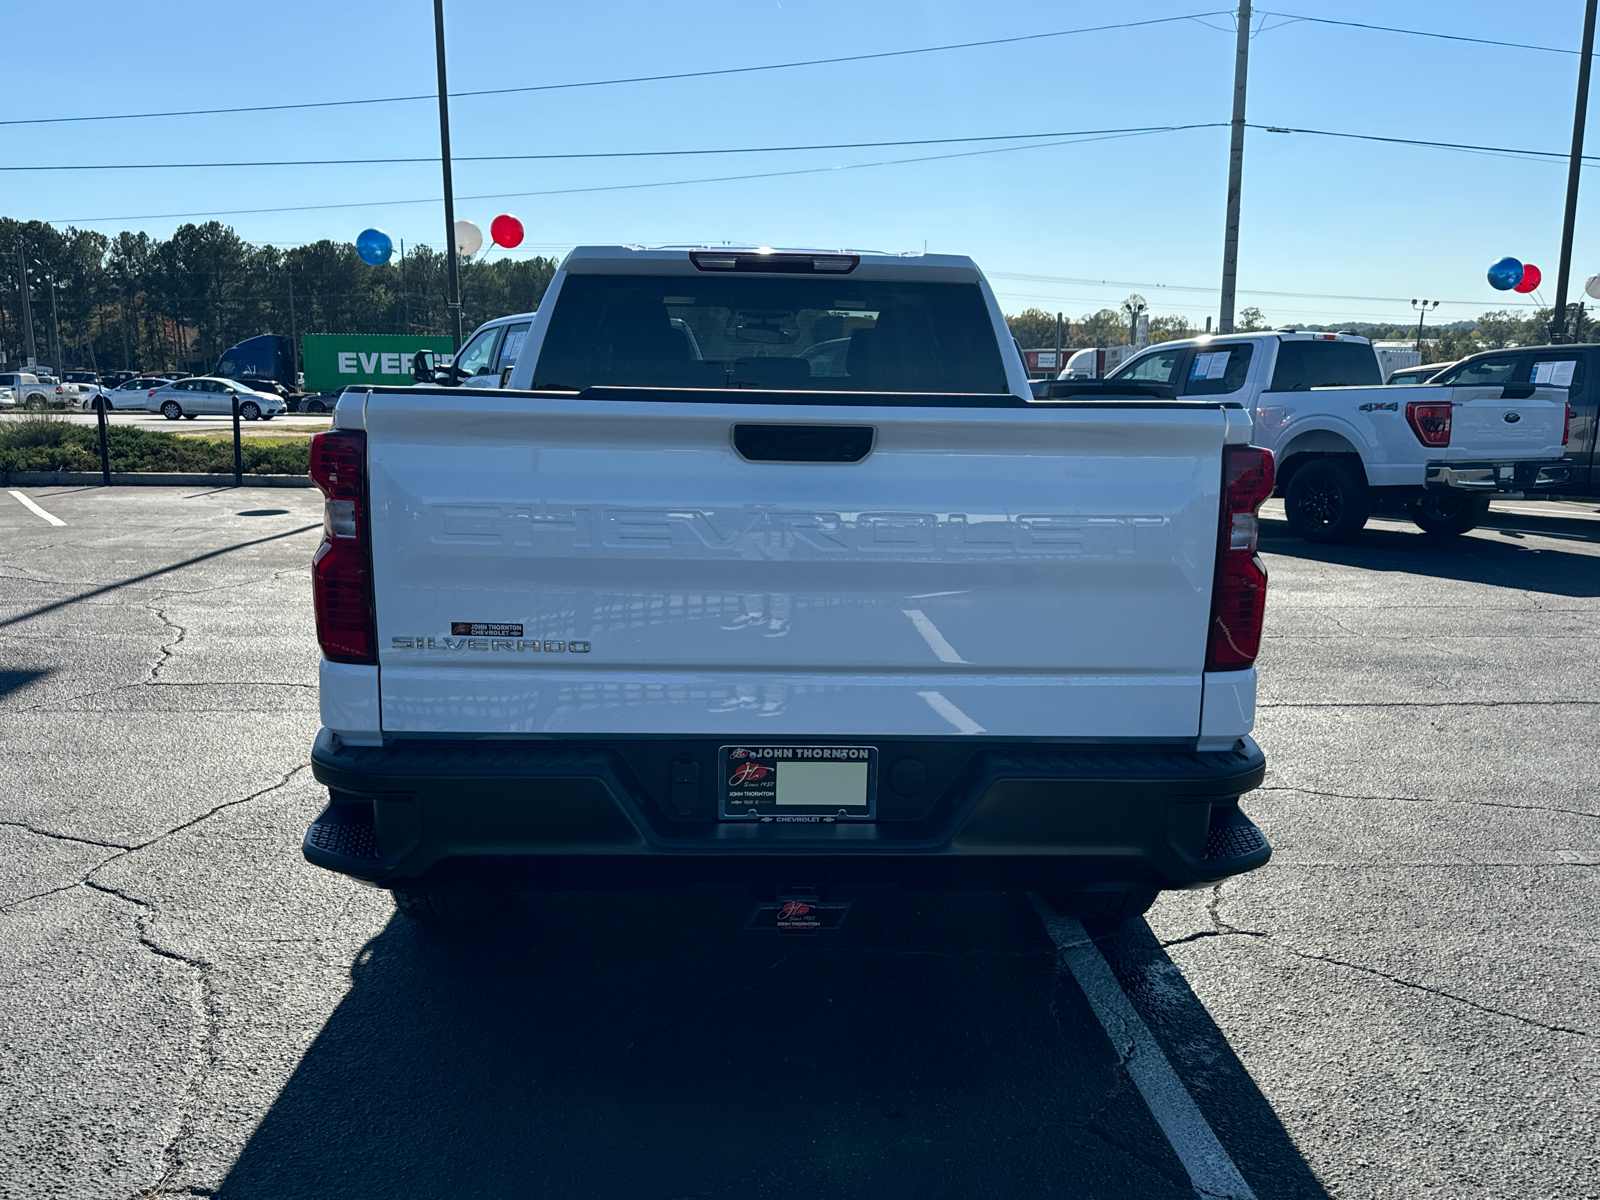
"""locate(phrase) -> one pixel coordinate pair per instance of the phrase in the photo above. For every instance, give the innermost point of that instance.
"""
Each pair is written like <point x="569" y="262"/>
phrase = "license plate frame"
<point x="821" y="787"/>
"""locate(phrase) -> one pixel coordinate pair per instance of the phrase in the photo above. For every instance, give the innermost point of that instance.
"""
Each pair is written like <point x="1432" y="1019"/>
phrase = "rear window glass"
<point x="1557" y="372"/>
<point x="1218" y="370"/>
<point x="746" y="331"/>
<point x="1497" y="368"/>
<point x="1304" y="365"/>
<point x="512" y="345"/>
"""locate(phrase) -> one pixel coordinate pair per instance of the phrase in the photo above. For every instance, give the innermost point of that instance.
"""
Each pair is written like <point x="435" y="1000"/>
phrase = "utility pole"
<point x="294" y="339"/>
<point x="27" y="307"/>
<point x="1422" y="307"/>
<point x="1058" y="341"/>
<point x="1230" y="233"/>
<point x="454" y="301"/>
<point x="122" y="320"/>
<point x="1558" y="332"/>
<point x="55" y="326"/>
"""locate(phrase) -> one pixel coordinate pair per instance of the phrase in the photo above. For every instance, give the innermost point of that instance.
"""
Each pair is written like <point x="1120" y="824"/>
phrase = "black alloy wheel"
<point x="1448" y="512"/>
<point x="1327" y="501"/>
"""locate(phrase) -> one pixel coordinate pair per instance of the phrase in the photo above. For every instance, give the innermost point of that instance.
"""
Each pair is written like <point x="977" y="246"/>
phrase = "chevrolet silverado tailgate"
<point x="557" y="565"/>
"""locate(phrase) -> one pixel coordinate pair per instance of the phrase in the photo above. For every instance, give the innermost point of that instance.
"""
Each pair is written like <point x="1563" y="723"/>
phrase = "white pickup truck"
<point x="685" y="602"/>
<point x="1344" y="444"/>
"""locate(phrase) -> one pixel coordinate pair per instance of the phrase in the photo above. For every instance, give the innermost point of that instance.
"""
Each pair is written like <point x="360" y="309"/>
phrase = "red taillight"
<point x="1566" y="427"/>
<point x="341" y="571"/>
<point x="1239" y="596"/>
<point x="1430" y="422"/>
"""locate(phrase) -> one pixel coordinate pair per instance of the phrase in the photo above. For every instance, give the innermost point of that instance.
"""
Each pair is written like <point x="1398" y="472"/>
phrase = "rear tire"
<point x="1327" y="501"/>
<point x="172" y="410"/>
<point x="446" y="906"/>
<point x="1445" y="512"/>
<point x="1101" y="906"/>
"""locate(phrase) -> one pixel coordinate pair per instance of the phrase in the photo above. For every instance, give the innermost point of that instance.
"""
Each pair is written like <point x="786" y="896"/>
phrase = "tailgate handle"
<point x="1516" y="391"/>
<point x="803" y="443"/>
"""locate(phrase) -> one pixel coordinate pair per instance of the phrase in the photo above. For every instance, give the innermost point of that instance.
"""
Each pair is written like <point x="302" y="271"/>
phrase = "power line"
<point x="1469" y="147"/>
<point x="1427" y="33"/>
<point x="623" y="187"/>
<point x="1066" y="139"/>
<point x="363" y="162"/>
<point x="556" y="87"/>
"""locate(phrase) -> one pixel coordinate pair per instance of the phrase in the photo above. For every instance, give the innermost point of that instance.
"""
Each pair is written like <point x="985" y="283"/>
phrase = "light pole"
<point x="27" y="308"/>
<point x="1230" y="231"/>
<point x="1136" y="308"/>
<point x="55" y="320"/>
<point x="453" y="304"/>
<point x="1422" y="308"/>
<point x="1558" y="329"/>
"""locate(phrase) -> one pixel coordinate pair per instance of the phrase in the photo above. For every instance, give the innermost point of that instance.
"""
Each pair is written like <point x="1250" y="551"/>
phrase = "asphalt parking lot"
<point x="1400" y="1004"/>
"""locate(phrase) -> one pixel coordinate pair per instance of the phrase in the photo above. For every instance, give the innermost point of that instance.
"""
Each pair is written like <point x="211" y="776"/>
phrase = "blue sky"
<point x="1322" y="218"/>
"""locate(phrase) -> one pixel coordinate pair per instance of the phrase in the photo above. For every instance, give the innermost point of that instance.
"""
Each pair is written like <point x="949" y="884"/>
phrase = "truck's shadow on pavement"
<point x="1503" y="558"/>
<point x="645" y="1045"/>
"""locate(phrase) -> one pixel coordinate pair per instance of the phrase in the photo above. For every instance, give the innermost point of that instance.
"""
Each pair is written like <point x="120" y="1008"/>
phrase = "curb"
<point x="145" y="479"/>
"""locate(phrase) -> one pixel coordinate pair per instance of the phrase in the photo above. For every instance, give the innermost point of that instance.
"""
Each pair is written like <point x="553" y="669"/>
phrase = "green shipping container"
<point x="335" y="360"/>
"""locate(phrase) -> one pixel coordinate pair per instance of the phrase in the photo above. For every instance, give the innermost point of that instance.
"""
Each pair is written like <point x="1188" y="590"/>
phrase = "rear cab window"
<point x="769" y="331"/>
<point x="1218" y="370"/>
<point x="511" y="345"/>
<point x="1549" y="369"/>
<point x="1318" y="363"/>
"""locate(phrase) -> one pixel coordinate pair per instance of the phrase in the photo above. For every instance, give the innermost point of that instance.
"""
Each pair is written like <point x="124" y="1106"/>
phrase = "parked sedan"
<point x="189" y="398"/>
<point x="1412" y="376"/>
<point x="131" y="394"/>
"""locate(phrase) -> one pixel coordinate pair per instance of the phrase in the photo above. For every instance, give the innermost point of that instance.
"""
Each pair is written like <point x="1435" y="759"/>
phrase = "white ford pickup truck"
<point x="765" y="567"/>
<point x="1345" y="445"/>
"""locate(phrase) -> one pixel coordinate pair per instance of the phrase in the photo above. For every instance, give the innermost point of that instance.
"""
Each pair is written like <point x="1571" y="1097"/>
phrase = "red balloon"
<point x="1530" y="278"/>
<point x="506" y="231"/>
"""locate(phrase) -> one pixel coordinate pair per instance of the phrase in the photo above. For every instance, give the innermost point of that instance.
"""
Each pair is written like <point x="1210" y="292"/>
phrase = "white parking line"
<point x="962" y="722"/>
<point x="1210" y="1169"/>
<point x="930" y="634"/>
<point x="36" y="510"/>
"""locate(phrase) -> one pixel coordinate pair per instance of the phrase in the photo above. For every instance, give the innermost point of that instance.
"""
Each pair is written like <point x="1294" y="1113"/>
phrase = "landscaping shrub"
<point x="43" y="442"/>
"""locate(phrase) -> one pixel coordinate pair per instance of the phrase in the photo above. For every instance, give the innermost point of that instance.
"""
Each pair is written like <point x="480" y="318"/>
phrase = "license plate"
<point x="799" y="784"/>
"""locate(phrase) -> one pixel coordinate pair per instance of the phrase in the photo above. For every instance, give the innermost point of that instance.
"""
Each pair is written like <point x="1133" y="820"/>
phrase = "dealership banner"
<point x="335" y="360"/>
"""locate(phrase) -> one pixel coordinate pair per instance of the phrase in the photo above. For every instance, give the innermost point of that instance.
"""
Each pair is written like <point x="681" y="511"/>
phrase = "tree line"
<point x="1035" y="329"/>
<point x="140" y="303"/>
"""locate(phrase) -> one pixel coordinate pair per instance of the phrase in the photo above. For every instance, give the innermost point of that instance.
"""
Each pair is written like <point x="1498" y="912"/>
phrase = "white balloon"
<point x="469" y="238"/>
<point x="1592" y="286"/>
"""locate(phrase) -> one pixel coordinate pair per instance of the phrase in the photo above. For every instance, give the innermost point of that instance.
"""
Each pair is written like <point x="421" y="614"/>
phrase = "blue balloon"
<point x="374" y="247"/>
<point x="1505" y="274"/>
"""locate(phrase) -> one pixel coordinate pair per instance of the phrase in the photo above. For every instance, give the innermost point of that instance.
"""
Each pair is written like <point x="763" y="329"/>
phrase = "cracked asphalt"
<point x="1400" y="1004"/>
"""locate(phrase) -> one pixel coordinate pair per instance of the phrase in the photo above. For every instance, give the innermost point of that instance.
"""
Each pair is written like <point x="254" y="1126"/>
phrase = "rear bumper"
<point x="583" y="816"/>
<point x="1520" y="476"/>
